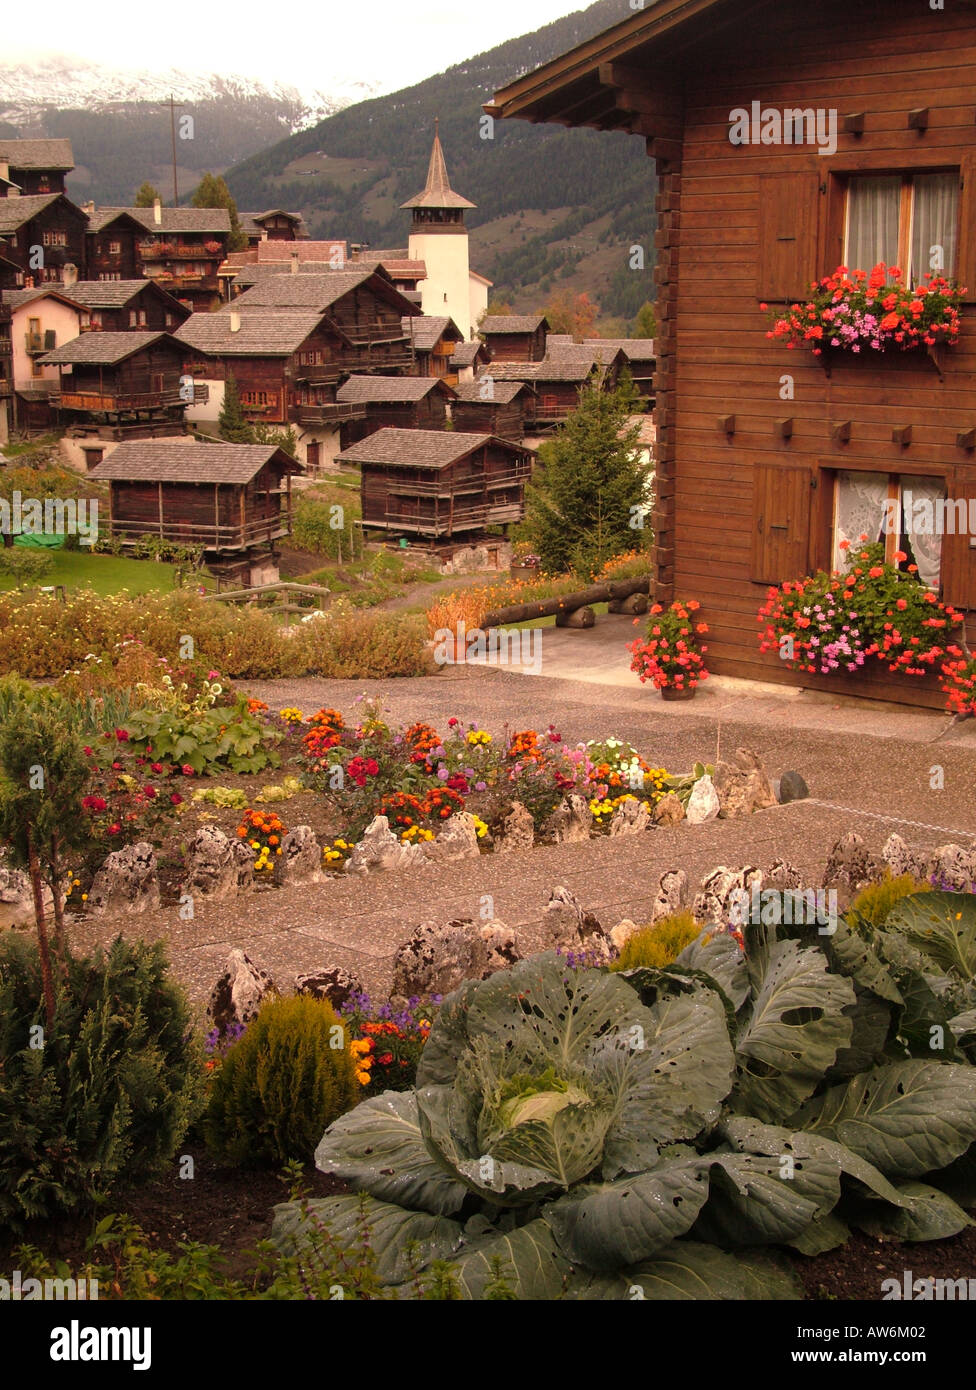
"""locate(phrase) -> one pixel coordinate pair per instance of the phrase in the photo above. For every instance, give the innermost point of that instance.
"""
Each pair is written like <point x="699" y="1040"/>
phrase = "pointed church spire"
<point x="438" y="192"/>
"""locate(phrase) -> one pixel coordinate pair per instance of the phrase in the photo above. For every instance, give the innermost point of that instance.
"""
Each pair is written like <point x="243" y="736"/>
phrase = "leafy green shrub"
<point x="660" y="944"/>
<point x="605" y="1130"/>
<point x="313" y="527"/>
<point x="291" y="1074"/>
<point x="110" y="1091"/>
<point x="344" y="644"/>
<point x="874" y="902"/>
<point x="207" y="739"/>
<point x="26" y="566"/>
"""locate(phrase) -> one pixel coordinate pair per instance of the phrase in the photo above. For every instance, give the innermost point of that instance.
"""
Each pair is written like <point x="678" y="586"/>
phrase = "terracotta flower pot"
<point x="672" y="692"/>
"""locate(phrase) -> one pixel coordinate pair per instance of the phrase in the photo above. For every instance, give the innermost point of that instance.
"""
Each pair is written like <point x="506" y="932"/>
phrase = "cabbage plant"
<point x="654" y="1133"/>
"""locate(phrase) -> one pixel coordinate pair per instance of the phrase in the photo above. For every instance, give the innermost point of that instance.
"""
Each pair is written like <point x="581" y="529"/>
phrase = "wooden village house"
<point x="112" y="242"/>
<point x="493" y="407"/>
<point x="791" y="140"/>
<point x="119" y="306"/>
<point x="434" y="341"/>
<point x="437" y="484"/>
<point x="515" y="337"/>
<point x="404" y="402"/>
<point x="556" y="386"/>
<point x="43" y="234"/>
<point x="120" y="384"/>
<point x="35" y="166"/>
<point x="179" y="248"/>
<point x="273" y="225"/>
<point x="469" y="359"/>
<point x="9" y="276"/>
<point x="234" y="500"/>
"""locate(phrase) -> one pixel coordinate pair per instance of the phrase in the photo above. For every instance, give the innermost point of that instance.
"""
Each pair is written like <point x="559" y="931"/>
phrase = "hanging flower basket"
<point x="853" y="312"/>
<point x="671" y="657"/>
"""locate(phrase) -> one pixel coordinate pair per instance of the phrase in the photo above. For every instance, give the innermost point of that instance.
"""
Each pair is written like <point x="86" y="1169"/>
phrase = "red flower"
<point x="175" y="798"/>
<point x="187" y="770"/>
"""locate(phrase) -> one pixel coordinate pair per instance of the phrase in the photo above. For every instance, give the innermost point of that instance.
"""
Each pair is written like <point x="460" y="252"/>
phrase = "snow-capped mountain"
<point x="65" y="82"/>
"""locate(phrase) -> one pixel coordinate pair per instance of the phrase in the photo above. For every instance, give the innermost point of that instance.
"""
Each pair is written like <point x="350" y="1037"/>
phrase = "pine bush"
<point x="282" y="1085"/>
<point x="660" y="944"/>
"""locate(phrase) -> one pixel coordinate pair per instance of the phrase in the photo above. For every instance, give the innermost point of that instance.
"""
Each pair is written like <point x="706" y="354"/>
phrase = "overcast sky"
<point x="305" y="44"/>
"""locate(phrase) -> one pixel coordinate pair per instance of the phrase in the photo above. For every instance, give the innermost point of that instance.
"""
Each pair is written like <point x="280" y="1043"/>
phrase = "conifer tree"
<point x="212" y="192"/>
<point x="589" y="484"/>
<point x="231" y="424"/>
<point x="146" y="195"/>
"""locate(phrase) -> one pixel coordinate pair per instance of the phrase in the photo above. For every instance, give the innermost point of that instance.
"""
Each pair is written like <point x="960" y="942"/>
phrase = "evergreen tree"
<point x="588" y="484"/>
<point x="146" y="195"/>
<point x="645" y="324"/>
<point x="212" y="192"/>
<point x="231" y="424"/>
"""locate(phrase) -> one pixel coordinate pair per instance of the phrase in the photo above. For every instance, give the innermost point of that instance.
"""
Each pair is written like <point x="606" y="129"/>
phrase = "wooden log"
<point x="580" y="617"/>
<point x="634" y="603"/>
<point x="565" y="603"/>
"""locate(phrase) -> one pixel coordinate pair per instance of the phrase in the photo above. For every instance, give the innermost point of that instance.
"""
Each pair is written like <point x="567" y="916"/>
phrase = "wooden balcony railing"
<point x="326" y="413"/>
<point x="115" y="403"/>
<point x="213" y="536"/>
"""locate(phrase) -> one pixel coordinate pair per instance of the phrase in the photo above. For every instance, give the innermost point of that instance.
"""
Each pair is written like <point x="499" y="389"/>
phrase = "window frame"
<point x="906" y="211"/>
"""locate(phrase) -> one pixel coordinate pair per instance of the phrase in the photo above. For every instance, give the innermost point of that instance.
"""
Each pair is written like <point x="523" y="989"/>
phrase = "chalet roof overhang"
<point x="186" y="461"/>
<point x="626" y="78"/>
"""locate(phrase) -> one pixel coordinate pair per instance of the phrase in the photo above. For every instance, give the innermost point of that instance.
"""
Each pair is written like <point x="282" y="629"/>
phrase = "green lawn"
<point x="106" y="574"/>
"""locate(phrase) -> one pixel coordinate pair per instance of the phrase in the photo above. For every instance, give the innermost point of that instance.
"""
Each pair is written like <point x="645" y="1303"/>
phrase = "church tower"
<point x="439" y="237"/>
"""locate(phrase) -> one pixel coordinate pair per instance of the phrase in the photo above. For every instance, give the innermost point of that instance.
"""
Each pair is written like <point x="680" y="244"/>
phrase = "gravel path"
<point x="869" y="769"/>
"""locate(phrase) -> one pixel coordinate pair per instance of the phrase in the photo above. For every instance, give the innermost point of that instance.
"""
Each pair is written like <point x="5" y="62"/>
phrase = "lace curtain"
<point x="935" y="219"/>
<point x="872" y="221"/>
<point x="926" y="547"/>
<point x="859" y="509"/>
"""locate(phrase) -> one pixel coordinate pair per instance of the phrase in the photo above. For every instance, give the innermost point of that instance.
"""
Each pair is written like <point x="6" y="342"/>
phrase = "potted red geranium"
<point x="671" y="655"/>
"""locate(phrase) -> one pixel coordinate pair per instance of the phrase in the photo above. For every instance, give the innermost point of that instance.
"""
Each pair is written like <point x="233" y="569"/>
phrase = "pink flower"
<point x="187" y="770"/>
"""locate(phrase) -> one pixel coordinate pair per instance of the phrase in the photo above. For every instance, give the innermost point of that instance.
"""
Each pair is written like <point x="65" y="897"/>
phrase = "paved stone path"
<point x="871" y="763"/>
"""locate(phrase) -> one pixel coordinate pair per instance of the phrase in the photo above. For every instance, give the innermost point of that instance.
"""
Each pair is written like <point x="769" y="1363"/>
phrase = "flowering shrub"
<point x="853" y="310"/>
<point x="124" y="799"/>
<point x="264" y="832"/>
<point x="442" y="802"/>
<point x="325" y="733"/>
<point x="827" y="622"/>
<point x="291" y="716"/>
<point x="959" y="681"/>
<point x="670" y="656"/>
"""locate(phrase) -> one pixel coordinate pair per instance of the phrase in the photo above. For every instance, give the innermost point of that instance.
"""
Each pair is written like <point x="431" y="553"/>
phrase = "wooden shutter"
<point x="959" y="551"/>
<point x="781" y="511"/>
<point x="789" y="207"/>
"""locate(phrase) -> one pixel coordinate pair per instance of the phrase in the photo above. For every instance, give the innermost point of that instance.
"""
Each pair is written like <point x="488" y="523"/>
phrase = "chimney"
<point x="157" y="212"/>
<point x="89" y="208"/>
<point x="69" y="275"/>
<point x="295" y="258"/>
<point x="235" y="321"/>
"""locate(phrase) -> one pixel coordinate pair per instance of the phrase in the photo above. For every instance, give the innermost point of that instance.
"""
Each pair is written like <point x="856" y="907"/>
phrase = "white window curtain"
<point x="859" y="509"/>
<point x="935" y="221"/>
<point x="927" y="543"/>
<point x="872" y="221"/>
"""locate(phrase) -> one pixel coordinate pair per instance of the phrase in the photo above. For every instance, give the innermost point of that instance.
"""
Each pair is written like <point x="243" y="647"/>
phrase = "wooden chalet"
<point x="434" y="340"/>
<point x="43" y="234"/>
<point x="768" y="459"/>
<point x="614" y="354"/>
<point x="273" y="225"/>
<point x="362" y="307"/>
<point x="232" y="499"/>
<point x="439" y="483"/>
<point x="113" y="239"/>
<point x="120" y="306"/>
<point x="128" y="381"/>
<point x="283" y="361"/>
<point x="469" y="359"/>
<point x="36" y="166"/>
<point x="556" y="385"/>
<point x="515" y="337"/>
<point x="9" y="274"/>
<point x="495" y="407"/>
<point x="398" y="402"/>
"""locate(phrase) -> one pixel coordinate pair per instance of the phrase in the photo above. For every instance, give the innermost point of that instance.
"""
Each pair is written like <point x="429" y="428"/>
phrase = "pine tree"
<point x="146" y="195"/>
<point x="212" y="192"/>
<point x="645" y="324"/>
<point x="231" y="424"/>
<point x="588" y="485"/>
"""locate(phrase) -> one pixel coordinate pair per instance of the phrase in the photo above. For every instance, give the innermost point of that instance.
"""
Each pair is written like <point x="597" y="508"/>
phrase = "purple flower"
<point x="480" y="786"/>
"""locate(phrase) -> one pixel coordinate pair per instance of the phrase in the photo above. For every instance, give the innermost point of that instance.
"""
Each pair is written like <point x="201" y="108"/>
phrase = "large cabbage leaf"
<point x="793" y="1030"/>
<point x="943" y="927"/>
<point x="400" y="1240"/>
<point x="717" y="953"/>
<point x="752" y="1201"/>
<point x="686" y="1271"/>
<point x="377" y="1148"/>
<point x="928" y="1215"/>
<point x="624" y="1222"/>
<point x="906" y="1118"/>
<point x="528" y="1259"/>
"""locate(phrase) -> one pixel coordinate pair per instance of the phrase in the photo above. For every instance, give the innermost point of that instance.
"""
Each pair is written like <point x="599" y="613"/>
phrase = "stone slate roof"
<point x="109" y="294"/>
<point x="271" y="333"/>
<point x="101" y="349"/>
<point x="571" y="369"/>
<point x="37" y="154"/>
<point x="512" y="323"/>
<point x="14" y="212"/>
<point x="427" y="330"/>
<point x="15" y="299"/>
<point x="303" y="291"/>
<point x="636" y="349"/>
<point x="174" y="220"/>
<point x="464" y="354"/>
<point x="393" y="390"/>
<point x="185" y="461"/>
<point x="418" y="448"/>
<point x="503" y="392"/>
